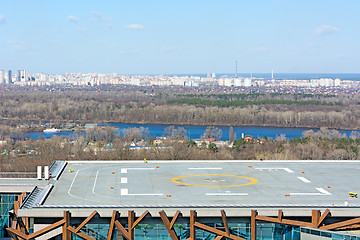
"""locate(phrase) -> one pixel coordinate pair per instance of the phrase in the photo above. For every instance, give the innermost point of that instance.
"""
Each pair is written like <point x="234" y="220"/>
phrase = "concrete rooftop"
<point x="208" y="185"/>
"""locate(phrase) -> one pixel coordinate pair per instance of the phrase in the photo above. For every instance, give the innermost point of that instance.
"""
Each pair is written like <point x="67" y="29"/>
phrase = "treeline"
<point x="237" y="103"/>
<point x="26" y="155"/>
<point x="139" y="107"/>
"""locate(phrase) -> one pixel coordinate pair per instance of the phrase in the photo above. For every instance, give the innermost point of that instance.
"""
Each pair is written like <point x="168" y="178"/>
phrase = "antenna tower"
<point x="235" y="68"/>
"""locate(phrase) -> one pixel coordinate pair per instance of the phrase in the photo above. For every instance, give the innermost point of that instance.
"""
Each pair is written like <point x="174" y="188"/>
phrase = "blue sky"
<point x="166" y="37"/>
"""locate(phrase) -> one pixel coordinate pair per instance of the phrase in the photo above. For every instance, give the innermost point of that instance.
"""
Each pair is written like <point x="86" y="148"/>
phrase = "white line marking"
<point x="270" y="169"/>
<point x="304" y="179"/>
<point x="226" y="194"/>
<point x="124" y="180"/>
<point x="140" y="168"/>
<point x="73" y="183"/>
<point x="93" y="190"/>
<point x="204" y="168"/>
<point x="123" y="170"/>
<point x="321" y="190"/>
<point x="125" y="192"/>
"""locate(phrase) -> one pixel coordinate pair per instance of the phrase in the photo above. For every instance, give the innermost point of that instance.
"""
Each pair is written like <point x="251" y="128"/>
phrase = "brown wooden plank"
<point x="139" y="219"/>
<point x="223" y="216"/>
<point x="217" y="231"/>
<point x="284" y="221"/>
<point x="218" y="238"/>
<point x="80" y="234"/>
<point x="323" y="216"/>
<point x="47" y="229"/>
<point x="341" y="224"/>
<point x="66" y="234"/>
<point x="280" y="215"/>
<point x="86" y="221"/>
<point x="174" y="219"/>
<point x="123" y="231"/>
<point x="112" y="225"/>
<point x="253" y="227"/>
<point x="131" y="219"/>
<point x="192" y="222"/>
<point x="168" y="226"/>
<point x="315" y="217"/>
<point x="17" y="233"/>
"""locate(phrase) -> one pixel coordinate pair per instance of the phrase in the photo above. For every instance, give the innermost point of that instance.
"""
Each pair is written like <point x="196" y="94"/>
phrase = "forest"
<point x="104" y="144"/>
<point x="25" y="109"/>
<point x="137" y="105"/>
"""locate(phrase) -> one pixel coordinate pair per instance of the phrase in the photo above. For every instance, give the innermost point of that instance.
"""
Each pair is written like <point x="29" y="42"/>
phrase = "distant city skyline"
<point x="180" y="37"/>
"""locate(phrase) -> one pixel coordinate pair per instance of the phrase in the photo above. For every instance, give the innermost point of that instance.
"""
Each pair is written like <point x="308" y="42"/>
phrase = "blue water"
<point x="195" y="132"/>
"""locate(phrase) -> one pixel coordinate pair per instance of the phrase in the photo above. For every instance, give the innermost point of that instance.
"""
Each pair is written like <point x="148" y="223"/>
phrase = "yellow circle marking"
<point x="252" y="180"/>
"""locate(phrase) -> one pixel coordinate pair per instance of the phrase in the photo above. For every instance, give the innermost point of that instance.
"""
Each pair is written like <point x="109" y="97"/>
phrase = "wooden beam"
<point x="284" y="221"/>
<point x="315" y="217"/>
<point x="123" y="231"/>
<point x="192" y="226"/>
<point x="341" y="224"/>
<point x="280" y="215"/>
<point x="218" y="238"/>
<point x="86" y="221"/>
<point x="217" y="231"/>
<point x="223" y="216"/>
<point x="168" y="226"/>
<point x="112" y="225"/>
<point x="173" y="220"/>
<point x="66" y="234"/>
<point x="323" y="216"/>
<point x="17" y="233"/>
<point x="139" y="219"/>
<point x="253" y="227"/>
<point x="79" y="234"/>
<point x="47" y="229"/>
<point x="131" y="219"/>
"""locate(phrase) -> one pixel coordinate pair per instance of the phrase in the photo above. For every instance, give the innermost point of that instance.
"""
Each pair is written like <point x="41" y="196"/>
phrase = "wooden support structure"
<point x="223" y="216"/>
<point x="66" y="234"/>
<point x="169" y="225"/>
<point x="19" y="228"/>
<point x="129" y="233"/>
<point x="253" y="227"/>
<point x="341" y="224"/>
<point x="217" y="231"/>
<point x="115" y="215"/>
<point x="192" y="226"/>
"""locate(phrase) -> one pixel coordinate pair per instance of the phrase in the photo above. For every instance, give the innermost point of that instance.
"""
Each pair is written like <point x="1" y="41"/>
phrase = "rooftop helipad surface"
<point x="189" y="184"/>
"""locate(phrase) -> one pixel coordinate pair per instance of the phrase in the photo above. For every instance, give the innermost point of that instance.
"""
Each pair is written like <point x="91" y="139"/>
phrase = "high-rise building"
<point x="9" y="79"/>
<point x="23" y="76"/>
<point x="2" y="77"/>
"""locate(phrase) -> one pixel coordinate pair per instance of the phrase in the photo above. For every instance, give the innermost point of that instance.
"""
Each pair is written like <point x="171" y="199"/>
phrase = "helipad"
<point x="239" y="200"/>
<point x="206" y="184"/>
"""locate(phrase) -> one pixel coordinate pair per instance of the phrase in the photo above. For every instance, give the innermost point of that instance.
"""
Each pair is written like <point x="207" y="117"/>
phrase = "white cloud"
<point x="19" y="45"/>
<point x="134" y="27"/>
<point x="260" y="49"/>
<point x="2" y="19"/>
<point x="80" y="29"/>
<point x="326" y="29"/>
<point x="73" y="19"/>
<point x="311" y="45"/>
<point x="100" y="17"/>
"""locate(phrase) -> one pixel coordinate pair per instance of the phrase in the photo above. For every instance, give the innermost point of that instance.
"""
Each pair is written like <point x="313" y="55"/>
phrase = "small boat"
<point x="51" y="130"/>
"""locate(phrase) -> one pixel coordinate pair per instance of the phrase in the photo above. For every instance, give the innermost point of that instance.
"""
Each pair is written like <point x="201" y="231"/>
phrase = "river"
<point x="195" y="132"/>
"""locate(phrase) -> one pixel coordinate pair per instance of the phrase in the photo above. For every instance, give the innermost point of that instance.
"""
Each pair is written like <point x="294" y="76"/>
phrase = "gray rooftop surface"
<point x="206" y="184"/>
